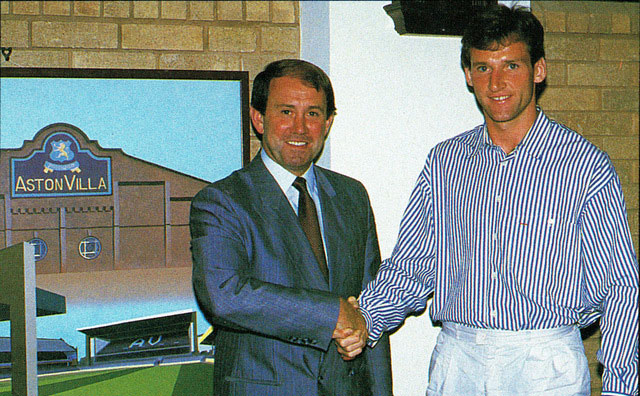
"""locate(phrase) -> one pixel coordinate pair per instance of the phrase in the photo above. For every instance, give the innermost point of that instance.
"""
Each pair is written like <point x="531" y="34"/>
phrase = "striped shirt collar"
<point x="533" y="144"/>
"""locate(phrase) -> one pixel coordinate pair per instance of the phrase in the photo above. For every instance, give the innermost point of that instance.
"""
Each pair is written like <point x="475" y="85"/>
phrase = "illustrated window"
<point x="90" y="247"/>
<point x="40" y="248"/>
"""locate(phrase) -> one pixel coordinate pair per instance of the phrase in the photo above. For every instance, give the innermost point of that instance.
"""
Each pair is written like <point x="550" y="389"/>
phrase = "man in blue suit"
<point x="276" y="291"/>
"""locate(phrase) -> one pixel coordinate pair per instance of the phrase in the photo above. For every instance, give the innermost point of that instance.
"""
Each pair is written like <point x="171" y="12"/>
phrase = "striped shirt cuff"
<point x="373" y="338"/>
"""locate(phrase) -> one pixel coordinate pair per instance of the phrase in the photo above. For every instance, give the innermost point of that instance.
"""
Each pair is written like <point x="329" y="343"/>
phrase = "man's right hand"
<point x="351" y="330"/>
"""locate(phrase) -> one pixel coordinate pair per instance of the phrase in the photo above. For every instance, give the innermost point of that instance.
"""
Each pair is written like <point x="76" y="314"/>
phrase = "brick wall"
<point x="592" y="87"/>
<point x="191" y="35"/>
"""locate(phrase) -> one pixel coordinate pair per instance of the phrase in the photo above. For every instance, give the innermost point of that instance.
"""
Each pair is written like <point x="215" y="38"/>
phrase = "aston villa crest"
<point x="62" y="154"/>
<point x="60" y="167"/>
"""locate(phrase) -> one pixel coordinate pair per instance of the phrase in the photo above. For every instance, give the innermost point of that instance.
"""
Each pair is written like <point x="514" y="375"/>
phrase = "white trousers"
<point x="468" y="362"/>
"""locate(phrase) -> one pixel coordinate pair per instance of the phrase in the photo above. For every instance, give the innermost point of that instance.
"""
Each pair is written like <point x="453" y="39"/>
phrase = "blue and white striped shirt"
<point x="534" y="239"/>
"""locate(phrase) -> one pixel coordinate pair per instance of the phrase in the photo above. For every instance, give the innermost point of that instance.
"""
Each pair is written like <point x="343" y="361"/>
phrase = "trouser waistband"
<point x="490" y="336"/>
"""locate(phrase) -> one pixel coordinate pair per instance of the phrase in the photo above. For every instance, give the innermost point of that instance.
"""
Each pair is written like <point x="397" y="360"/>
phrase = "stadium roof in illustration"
<point x="163" y="323"/>
<point x="47" y="303"/>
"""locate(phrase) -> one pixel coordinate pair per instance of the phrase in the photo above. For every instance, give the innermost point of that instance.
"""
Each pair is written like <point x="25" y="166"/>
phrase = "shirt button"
<point x="498" y="198"/>
<point x="494" y="275"/>
<point x="494" y="237"/>
<point x="494" y="314"/>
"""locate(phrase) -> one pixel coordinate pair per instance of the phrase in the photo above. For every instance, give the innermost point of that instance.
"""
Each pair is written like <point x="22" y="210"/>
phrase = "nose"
<point x="298" y="123"/>
<point x="496" y="81"/>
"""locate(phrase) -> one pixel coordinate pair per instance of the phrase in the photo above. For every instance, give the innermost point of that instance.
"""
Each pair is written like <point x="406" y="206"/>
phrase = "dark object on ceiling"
<point x="434" y="17"/>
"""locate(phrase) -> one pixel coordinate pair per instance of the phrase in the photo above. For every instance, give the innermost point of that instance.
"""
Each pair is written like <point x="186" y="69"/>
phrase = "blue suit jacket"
<point x="257" y="281"/>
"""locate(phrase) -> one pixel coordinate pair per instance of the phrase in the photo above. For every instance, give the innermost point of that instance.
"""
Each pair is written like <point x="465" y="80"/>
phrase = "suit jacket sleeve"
<point x="241" y="284"/>
<point x="379" y="357"/>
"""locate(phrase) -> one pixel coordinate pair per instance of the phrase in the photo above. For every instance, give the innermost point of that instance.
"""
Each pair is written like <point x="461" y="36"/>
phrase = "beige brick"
<point x="565" y="47"/>
<point x="283" y="12"/>
<point x="620" y="99"/>
<point x="630" y="192"/>
<point x="570" y="99"/>
<point x="556" y="73"/>
<point x="162" y="37"/>
<point x="555" y="21"/>
<point x="577" y="23"/>
<point x="597" y="141"/>
<point x="597" y="123"/>
<point x="620" y="23"/>
<point x="599" y="23"/>
<point x="114" y="60"/>
<point x="86" y="8"/>
<point x="257" y="10"/>
<point x="174" y="9"/>
<point x="602" y="74"/>
<point x="632" y="217"/>
<point x="619" y="49"/>
<point x="14" y="34"/>
<point x="4" y="7"/>
<point x="229" y="10"/>
<point x="146" y="9"/>
<point x="237" y="39"/>
<point x="255" y="63"/>
<point x="284" y="39"/>
<point x="26" y="7"/>
<point x="38" y="58"/>
<point x="74" y="34"/>
<point x="623" y="169"/>
<point x="188" y="61"/>
<point x="56" y="7"/>
<point x="202" y="10"/>
<point x="635" y="170"/>
<point x="619" y="147"/>
<point x="116" y="9"/>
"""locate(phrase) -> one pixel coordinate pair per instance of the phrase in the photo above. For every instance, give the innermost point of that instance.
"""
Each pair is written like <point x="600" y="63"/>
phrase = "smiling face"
<point x="294" y="125"/>
<point x="503" y="82"/>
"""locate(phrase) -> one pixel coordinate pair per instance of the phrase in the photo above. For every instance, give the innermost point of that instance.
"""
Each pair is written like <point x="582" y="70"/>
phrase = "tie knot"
<point x="300" y="184"/>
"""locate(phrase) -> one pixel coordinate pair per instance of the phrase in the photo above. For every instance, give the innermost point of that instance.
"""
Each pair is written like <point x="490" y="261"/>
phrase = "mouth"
<point x="297" y="143"/>
<point x="499" y="98"/>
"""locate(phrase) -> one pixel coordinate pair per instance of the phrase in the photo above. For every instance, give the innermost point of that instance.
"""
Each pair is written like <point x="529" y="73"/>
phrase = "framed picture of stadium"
<point x="97" y="171"/>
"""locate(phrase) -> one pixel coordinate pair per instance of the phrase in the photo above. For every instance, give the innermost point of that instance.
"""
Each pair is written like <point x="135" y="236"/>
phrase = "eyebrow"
<point x="512" y="60"/>
<point x="292" y="106"/>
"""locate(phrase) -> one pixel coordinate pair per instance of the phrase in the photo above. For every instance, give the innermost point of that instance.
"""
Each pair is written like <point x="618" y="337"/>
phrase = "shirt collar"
<point x="283" y="177"/>
<point x="533" y="144"/>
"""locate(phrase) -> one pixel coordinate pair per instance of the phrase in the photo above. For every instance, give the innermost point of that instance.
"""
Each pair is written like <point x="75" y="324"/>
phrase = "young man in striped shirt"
<point x="518" y="228"/>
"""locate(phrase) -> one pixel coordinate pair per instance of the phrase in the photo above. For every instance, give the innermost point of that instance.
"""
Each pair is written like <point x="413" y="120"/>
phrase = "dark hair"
<point x="501" y="25"/>
<point x="305" y="71"/>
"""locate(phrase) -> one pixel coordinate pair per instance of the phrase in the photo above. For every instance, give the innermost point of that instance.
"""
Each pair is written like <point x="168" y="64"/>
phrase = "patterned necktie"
<point x="309" y="220"/>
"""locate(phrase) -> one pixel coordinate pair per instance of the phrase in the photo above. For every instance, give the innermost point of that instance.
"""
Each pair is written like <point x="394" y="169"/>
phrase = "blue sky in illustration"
<point x="192" y="126"/>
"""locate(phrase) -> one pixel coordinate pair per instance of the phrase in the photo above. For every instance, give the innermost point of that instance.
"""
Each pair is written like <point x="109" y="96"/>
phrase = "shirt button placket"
<point x="496" y="246"/>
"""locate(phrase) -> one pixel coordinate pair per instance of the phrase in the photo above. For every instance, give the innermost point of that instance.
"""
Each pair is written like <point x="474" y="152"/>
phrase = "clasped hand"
<point x="350" y="333"/>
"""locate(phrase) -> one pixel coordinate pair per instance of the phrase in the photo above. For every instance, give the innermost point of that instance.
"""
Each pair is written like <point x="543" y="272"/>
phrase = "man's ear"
<point x="327" y="125"/>
<point x="539" y="71"/>
<point x="467" y="76"/>
<point x="257" y="119"/>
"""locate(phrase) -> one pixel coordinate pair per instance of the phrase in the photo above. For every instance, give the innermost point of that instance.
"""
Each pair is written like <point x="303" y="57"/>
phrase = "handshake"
<point x="350" y="333"/>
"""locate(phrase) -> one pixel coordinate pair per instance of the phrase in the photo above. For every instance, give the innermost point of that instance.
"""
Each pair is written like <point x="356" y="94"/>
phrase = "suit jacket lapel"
<point x="276" y="211"/>
<point x="332" y="221"/>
